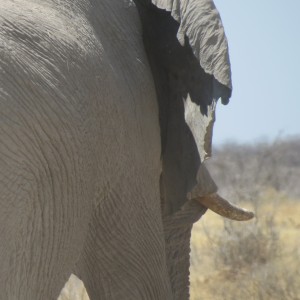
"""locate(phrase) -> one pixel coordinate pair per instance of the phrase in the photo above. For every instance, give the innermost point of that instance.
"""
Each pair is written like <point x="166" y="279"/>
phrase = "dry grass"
<point x="259" y="259"/>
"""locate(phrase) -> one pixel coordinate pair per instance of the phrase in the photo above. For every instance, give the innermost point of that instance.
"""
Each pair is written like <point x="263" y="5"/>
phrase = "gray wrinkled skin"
<point x="105" y="119"/>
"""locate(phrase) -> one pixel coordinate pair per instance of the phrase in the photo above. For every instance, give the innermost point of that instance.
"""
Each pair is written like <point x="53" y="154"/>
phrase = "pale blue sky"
<point x="264" y="45"/>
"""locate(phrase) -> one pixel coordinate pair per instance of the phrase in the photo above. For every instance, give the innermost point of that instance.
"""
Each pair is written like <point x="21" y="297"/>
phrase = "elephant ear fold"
<point x="201" y="27"/>
<point x="200" y="21"/>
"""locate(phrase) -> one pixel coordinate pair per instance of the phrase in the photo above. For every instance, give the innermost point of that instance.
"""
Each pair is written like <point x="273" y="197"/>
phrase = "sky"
<point x="264" y="48"/>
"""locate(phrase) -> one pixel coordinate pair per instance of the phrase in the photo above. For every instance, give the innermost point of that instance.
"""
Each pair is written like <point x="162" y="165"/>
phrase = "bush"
<point x="259" y="259"/>
<point x="251" y="261"/>
<point x="245" y="246"/>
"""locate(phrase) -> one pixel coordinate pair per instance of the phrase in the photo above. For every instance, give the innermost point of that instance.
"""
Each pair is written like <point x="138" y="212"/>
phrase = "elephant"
<point x="106" y="112"/>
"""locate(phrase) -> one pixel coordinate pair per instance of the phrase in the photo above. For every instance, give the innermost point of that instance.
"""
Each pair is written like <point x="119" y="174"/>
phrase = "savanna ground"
<point x="258" y="259"/>
<point x="254" y="260"/>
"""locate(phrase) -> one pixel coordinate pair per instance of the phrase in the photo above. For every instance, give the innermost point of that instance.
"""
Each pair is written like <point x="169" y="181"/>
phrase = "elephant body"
<point x="81" y="157"/>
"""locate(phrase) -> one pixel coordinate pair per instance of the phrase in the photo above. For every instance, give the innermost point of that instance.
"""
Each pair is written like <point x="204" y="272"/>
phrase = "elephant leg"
<point x="43" y="215"/>
<point x="45" y="163"/>
<point x="124" y="254"/>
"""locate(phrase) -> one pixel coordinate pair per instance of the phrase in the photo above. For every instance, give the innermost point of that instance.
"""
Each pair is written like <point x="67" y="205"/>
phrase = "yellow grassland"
<point x="211" y="279"/>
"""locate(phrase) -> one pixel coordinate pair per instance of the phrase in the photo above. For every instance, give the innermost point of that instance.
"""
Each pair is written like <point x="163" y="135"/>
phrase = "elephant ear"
<point x="201" y="27"/>
<point x="200" y="21"/>
<point x="188" y="54"/>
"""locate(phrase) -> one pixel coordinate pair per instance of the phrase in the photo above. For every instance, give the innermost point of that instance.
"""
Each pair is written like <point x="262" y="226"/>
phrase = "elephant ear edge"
<point x="200" y="21"/>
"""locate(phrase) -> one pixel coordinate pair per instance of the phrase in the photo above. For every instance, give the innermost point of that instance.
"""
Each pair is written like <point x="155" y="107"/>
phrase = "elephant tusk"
<point x="224" y="208"/>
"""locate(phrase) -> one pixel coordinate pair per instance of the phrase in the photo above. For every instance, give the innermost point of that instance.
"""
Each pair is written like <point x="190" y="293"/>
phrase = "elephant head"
<point x="188" y="54"/>
<point x="106" y="114"/>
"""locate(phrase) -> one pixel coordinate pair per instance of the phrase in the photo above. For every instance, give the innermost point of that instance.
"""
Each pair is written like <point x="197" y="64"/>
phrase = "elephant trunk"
<point x="224" y="208"/>
<point x="177" y="230"/>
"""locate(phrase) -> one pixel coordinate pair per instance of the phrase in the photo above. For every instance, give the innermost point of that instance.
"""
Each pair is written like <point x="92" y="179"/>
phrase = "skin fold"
<point x="106" y="114"/>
